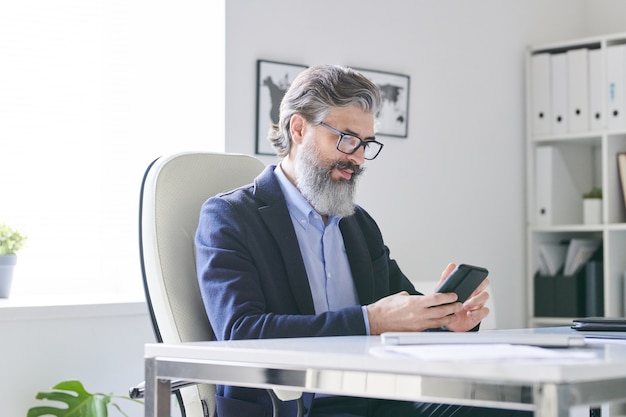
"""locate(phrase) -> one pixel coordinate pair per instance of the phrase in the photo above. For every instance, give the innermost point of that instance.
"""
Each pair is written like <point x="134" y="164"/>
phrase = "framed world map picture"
<point x="393" y="118"/>
<point x="273" y="80"/>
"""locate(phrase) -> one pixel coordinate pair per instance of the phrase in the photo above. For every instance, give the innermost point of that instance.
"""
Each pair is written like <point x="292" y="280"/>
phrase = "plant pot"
<point x="592" y="211"/>
<point x="7" y="263"/>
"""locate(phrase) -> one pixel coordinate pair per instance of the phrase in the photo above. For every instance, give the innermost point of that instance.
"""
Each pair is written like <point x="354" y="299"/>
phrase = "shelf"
<point x="591" y="138"/>
<point x="567" y="228"/>
<point x="578" y="227"/>
<point x="563" y="166"/>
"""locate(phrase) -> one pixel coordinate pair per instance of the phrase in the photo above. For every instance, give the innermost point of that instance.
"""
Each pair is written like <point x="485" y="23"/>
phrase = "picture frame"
<point x="393" y="118"/>
<point x="273" y="80"/>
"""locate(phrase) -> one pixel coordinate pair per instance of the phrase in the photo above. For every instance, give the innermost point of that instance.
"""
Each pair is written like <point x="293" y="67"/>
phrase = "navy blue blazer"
<point x="254" y="283"/>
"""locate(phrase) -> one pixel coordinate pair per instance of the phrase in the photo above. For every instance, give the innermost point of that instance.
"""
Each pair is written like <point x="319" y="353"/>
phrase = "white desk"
<point x="344" y="366"/>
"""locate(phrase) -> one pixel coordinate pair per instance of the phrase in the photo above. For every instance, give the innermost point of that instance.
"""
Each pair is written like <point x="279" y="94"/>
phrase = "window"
<point x="90" y="93"/>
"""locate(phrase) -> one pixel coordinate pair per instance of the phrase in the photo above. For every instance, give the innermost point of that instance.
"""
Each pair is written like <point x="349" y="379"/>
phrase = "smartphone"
<point x="463" y="281"/>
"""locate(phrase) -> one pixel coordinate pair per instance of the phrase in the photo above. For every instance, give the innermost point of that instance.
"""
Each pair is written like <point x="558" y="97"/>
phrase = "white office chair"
<point x="172" y="192"/>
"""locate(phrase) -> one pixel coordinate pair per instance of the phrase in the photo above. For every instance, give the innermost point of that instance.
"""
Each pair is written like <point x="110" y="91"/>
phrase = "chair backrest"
<point x="172" y="192"/>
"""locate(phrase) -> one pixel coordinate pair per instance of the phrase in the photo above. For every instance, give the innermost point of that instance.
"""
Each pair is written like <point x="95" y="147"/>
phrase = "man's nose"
<point x="358" y="157"/>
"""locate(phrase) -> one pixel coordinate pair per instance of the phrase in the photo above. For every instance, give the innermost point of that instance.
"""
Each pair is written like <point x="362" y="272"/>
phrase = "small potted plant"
<point x="592" y="206"/>
<point x="11" y="241"/>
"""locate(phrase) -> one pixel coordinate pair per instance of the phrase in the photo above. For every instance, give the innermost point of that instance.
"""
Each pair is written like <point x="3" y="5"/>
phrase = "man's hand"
<point x="474" y="309"/>
<point x="402" y="312"/>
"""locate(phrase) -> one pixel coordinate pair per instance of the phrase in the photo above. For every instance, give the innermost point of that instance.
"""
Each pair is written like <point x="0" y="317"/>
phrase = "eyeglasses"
<point x="349" y="144"/>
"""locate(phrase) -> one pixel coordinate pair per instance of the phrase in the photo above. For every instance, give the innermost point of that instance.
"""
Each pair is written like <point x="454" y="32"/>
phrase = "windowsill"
<point x="44" y="307"/>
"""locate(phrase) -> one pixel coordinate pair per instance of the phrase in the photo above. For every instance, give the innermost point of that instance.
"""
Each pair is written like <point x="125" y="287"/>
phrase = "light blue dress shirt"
<point x="323" y="252"/>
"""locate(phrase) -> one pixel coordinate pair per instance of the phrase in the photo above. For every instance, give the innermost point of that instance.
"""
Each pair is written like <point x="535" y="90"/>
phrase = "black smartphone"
<point x="463" y="281"/>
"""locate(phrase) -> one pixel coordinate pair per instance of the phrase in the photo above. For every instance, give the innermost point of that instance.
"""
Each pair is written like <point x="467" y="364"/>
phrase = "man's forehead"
<point x="352" y="120"/>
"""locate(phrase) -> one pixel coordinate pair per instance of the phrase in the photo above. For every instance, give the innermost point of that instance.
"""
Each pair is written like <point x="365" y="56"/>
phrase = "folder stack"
<point x="568" y="95"/>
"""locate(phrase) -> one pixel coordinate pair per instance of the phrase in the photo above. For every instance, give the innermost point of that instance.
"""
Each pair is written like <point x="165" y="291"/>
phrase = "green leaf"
<point x="78" y="402"/>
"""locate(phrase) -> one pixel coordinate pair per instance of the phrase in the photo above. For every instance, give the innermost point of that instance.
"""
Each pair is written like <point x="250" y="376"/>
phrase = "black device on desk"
<point x="606" y="324"/>
<point x="463" y="281"/>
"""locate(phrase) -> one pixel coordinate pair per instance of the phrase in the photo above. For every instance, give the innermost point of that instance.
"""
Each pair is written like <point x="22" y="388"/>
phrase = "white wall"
<point x="454" y="189"/>
<point x="604" y="16"/>
<point x="100" y="345"/>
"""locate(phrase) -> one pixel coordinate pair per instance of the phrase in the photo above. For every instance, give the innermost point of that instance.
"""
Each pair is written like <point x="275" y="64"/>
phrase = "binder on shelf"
<point x="578" y="90"/>
<point x="616" y="78"/>
<point x="557" y="199"/>
<point x="624" y="288"/>
<point x="541" y="100"/>
<point x="560" y="295"/>
<point x="594" y="288"/>
<point x="544" y="295"/>
<point x="570" y="294"/>
<point x="558" y="82"/>
<point x="621" y="172"/>
<point x="596" y="101"/>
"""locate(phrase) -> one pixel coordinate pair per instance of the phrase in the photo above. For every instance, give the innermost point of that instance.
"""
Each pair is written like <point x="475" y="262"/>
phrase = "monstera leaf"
<point x="78" y="402"/>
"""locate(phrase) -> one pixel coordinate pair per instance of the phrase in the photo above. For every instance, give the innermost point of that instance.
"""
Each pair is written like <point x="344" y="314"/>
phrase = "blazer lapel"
<point x="276" y="216"/>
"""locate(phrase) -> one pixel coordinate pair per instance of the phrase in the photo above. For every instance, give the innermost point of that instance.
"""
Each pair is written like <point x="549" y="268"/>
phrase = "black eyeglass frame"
<point x="363" y="143"/>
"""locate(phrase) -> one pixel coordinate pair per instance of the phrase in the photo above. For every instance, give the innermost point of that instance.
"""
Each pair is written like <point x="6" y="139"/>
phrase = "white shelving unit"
<point x="590" y="159"/>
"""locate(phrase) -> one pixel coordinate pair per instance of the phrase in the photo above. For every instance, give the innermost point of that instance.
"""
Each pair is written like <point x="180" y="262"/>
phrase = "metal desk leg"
<point x="552" y="400"/>
<point x="157" y="398"/>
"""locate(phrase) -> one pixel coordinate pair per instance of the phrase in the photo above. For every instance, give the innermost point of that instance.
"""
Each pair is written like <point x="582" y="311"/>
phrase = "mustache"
<point x="356" y="169"/>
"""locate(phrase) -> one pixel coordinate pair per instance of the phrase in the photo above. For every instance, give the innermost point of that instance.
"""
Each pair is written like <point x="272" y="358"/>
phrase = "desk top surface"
<point x="354" y="353"/>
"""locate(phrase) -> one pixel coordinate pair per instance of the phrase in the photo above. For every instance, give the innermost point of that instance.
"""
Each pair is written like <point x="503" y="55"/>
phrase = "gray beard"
<point x="327" y="196"/>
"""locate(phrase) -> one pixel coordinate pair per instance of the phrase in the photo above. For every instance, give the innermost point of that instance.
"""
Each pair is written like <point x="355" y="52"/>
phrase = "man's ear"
<point x="297" y="126"/>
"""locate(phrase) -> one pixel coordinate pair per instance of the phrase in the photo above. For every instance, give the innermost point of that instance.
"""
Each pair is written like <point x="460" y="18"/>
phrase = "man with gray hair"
<point x="293" y="255"/>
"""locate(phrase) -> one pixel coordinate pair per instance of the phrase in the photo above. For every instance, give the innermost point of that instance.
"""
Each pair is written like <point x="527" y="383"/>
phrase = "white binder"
<point x="597" y="118"/>
<point x="557" y="199"/>
<point x="558" y="80"/>
<point x="616" y="117"/>
<point x="578" y="90"/>
<point x="541" y="93"/>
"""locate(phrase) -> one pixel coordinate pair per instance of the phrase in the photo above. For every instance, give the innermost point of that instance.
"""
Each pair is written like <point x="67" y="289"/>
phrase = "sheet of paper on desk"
<point x="473" y="352"/>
